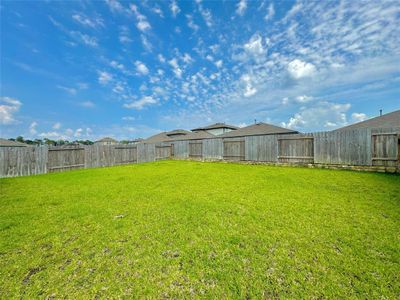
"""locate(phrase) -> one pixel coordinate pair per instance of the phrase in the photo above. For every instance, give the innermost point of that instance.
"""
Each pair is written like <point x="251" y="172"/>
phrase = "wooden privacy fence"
<point x="361" y="147"/>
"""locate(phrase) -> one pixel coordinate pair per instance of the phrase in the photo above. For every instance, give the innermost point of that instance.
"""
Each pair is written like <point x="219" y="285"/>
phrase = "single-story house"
<point x="167" y="136"/>
<point x="106" y="141"/>
<point x="9" y="143"/>
<point x="216" y="129"/>
<point x="389" y="120"/>
<point x="257" y="129"/>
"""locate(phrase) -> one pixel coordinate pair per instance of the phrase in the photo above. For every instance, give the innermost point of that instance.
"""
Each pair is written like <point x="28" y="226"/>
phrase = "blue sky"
<point x="127" y="69"/>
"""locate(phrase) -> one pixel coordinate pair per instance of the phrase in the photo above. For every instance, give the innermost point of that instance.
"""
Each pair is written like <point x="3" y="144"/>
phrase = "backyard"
<point x="174" y="229"/>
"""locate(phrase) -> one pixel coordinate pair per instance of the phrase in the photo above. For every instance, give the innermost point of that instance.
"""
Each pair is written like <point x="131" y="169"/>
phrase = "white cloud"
<point x="142" y="23"/>
<point x="140" y="104"/>
<point x="254" y="46"/>
<point x="87" y="104"/>
<point x="146" y="43"/>
<point x="249" y="90"/>
<point x="187" y="58"/>
<point x="141" y="68"/>
<point x="115" y="6"/>
<point x="158" y="11"/>
<point x="78" y="132"/>
<point x="358" y="117"/>
<point x="32" y="128"/>
<point x="176" y="69"/>
<point x="299" y="69"/>
<point x="69" y="90"/>
<point x="124" y="35"/>
<point x="206" y="15"/>
<point x="89" y="22"/>
<point x="174" y="8"/>
<point x="57" y="125"/>
<point x="8" y="108"/>
<point x="104" y="77"/>
<point x="161" y="58"/>
<point x="241" y="7"/>
<point x="270" y="13"/>
<point x="191" y="23"/>
<point x="84" y="38"/>
<point x="323" y="114"/>
<point x="293" y="11"/>
<point x="219" y="63"/>
<point x="128" y="118"/>
<point x="304" y="99"/>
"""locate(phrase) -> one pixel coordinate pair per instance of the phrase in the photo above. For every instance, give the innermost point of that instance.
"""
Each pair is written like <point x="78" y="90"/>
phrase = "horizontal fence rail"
<point x="360" y="147"/>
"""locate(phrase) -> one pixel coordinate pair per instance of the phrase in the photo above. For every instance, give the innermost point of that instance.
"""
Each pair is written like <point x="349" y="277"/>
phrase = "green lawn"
<point x="177" y="229"/>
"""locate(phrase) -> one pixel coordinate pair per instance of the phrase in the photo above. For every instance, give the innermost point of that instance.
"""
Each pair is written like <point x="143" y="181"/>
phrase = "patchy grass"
<point x="190" y="229"/>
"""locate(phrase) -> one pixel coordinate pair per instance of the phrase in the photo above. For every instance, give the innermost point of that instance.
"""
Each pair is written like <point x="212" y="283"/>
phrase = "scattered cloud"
<point x="142" y="23"/>
<point x="141" y="68"/>
<point x="174" y="8"/>
<point x="241" y="7"/>
<point x="299" y="69"/>
<point x="84" y="38"/>
<point x="87" y="104"/>
<point x="56" y="125"/>
<point x="88" y="22"/>
<point x="270" y="13"/>
<point x="69" y="90"/>
<point x="32" y="128"/>
<point x="8" y="108"/>
<point x="329" y="115"/>
<point x="104" y="77"/>
<point x="140" y="104"/>
<point x="358" y="117"/>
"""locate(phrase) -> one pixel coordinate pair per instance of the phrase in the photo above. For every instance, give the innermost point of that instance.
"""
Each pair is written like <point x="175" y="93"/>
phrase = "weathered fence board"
<point x="261" y="148"/>
<point x="65" y="158"/>
<point x="386" y="147"/>
<point x="213" y="149"/>
<point x="349" y="147"/>
<point x="163" y="151"/>
<point x="146" y="153"/>
<point x="23" y="161"/>
<point x="296" y="149"/>
<point x="181" y="149"/>
<point x="196" y="149"/>
<point x="234" y="149"/>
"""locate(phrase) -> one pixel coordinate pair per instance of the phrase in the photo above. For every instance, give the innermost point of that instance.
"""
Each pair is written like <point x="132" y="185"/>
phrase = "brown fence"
<point x="361" y="147"/>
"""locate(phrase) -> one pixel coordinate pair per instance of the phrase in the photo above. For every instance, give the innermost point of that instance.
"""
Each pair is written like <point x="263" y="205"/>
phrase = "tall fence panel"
<point x="349" y="147"/>
<point x="295" y="149"/>
<point x="163" y="151"/>
<point x="261" y="148"/>
<point x="385" y="147"/>
<point x="99" y="156"/>
<point x="146" y="153"/>
<point x="181" y="149"/>
<point x="196" y="149"/>
<point x="234" y="149"/>
<point x="125" y="154"/>
<point x="213" y="149"/>
<point x="23" y="161"/>
<point x="65" y="158"/>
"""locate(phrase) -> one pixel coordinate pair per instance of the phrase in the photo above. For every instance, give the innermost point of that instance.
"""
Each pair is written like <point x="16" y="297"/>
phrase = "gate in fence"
<point x="66" y="158"/>
<point x="164" y="151"/>
<point x="296" y="149"/>
<point x="234" y="149"/>
<point x="196" y="149"/>
<point x="384" y="150"/>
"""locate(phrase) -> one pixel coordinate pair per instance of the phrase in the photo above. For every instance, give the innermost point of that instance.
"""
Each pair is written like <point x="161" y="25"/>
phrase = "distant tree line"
<point x="50" y="142"/>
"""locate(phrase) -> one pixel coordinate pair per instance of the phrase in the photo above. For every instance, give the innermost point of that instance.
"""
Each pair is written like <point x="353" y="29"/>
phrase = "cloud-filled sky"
<point x="128" y="69"/>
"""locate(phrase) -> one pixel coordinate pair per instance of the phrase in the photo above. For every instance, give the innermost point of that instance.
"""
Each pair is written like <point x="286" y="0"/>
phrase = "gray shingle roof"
<point x="8" y="143"/>
<point x="198" y="135"/>
<point x="107" y="139"/>
<point x="216" y="126"/>
<point x="257" y="129"/>
<point x="389" y="120"/>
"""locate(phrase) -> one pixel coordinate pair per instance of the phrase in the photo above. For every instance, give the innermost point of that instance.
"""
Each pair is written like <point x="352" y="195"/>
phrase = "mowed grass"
<point x="176" y="229"/>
